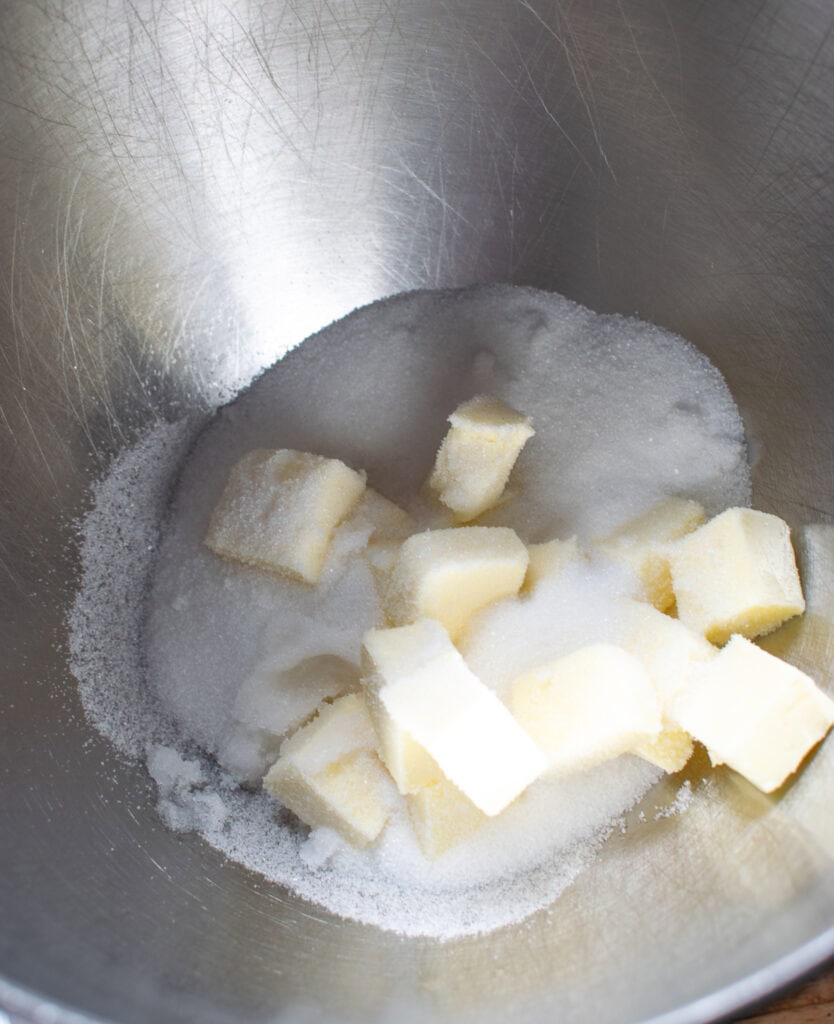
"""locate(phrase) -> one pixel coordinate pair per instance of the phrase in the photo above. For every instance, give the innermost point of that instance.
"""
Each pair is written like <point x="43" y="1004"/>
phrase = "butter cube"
<point x="380" y="518"/>
<point x="755" y="713"/>
<point x="737" y="574"/>
<point x="419" y="685"/>
<point x="642" y="544"/>
<point x="549" y="559"/>
<point x="375" y="528"/>
<point x="409" y="764"/>
<point x="373" y="518"/>
<point x="329" y="774"/>
<point x="449" y="575"/>
<point x="670" y="750"/>
<point x="586" y="707"/>
<point x="391" y="525"/>
<point x="442" y="816"/>
<point x="669" y="652"/>
<point x="477" y="455"/>
<point x="279" y="509"/>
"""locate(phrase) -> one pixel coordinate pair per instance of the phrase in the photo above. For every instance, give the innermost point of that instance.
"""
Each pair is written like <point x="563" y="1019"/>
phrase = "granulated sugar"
<point x="683" y="799"/>
<point x="119" y="538"/>
<point x="625" y="414"/>
<point x="513" y="866"/>
<point x="582" y="605"/>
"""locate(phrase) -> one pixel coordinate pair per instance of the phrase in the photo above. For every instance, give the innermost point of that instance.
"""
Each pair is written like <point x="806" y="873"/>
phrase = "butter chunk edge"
<point x="736" y="574"/>
<point x="328" y="773"/>
<point x="421" y="683"/>
<point x="755" y="713"/>
<point x="586" y="707"/>
<point x="451" y="574"/>
<point x="279" y="508"/>
<point x="477" y="455"/>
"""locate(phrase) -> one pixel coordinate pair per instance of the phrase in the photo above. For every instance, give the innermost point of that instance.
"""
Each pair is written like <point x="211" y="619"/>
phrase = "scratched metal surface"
<point x="186" y="190"/>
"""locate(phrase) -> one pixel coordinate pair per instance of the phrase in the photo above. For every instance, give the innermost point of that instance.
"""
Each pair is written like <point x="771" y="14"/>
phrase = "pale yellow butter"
<point x="550" y="559"/>
<point x="448" y="575"/>
<point x="328" y="773"/>
<point x="669" y="652"/>
<point x="586" y="707"/>
<point x="477" y="455"/>
<point x="670" y="750"/>
<point x="419" y="687"/>
<point x="754" y="712"/>
<point x="385" y="652"/>
<point x="387" y="525"/>
<point x="279" y="509"/>
<point x="384" y="517"/>
<point x="442" y="817"/>
<point x="642" y="544"/>
<point x="667" y="648"/>
<point x="736" y="574"/>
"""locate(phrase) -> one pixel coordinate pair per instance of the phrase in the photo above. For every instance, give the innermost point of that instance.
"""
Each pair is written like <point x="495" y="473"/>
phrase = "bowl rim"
<point x="22" y="1005"/>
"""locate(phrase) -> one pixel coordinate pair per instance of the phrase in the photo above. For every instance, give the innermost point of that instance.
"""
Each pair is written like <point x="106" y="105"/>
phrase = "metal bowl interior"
<point x="188" y="191"/>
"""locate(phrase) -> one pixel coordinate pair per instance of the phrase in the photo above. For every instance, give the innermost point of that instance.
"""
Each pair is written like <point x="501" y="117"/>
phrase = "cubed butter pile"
<point x="421" y="688"/>
<point x="587" y="707"/>
<point x="644" y="545"/>
<point x="423" y="737"/>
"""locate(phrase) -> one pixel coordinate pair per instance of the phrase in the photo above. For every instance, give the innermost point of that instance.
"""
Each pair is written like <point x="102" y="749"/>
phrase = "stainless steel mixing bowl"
<point x="187" y="188"/>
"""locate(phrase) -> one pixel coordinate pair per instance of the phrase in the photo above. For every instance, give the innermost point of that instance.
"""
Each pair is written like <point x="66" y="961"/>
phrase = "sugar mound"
<point x="183" y="803"/>
<point x="228" y="658"/>
<point x="583" y="605"/>
<point x="321" y="845"/>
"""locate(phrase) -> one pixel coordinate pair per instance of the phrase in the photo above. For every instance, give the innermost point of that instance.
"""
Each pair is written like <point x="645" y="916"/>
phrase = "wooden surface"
<point x="812" y="1003"/>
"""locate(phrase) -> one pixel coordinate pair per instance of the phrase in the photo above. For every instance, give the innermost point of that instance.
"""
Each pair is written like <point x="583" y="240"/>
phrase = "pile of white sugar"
<point x="200" y="664"/>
